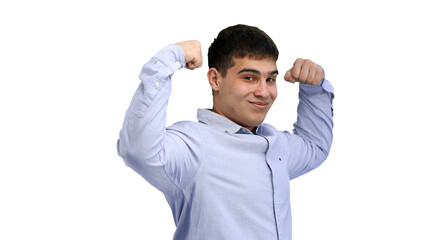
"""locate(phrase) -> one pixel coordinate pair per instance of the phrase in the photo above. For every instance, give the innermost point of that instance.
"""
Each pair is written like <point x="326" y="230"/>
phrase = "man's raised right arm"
<point x="144" y="128"/>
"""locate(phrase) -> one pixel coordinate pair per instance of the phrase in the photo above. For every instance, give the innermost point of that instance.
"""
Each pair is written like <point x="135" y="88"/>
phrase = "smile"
<point x="259" y="105"/>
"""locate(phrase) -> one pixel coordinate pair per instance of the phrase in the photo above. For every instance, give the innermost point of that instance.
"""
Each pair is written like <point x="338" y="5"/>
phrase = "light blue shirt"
<point x="221" y="180"/>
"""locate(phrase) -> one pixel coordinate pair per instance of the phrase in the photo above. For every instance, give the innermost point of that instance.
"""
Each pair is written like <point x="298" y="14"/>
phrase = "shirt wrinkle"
<point x="170" y="177"/>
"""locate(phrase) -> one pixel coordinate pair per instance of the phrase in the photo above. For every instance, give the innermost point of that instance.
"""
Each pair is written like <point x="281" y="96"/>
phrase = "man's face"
<point x="247" y="92"/>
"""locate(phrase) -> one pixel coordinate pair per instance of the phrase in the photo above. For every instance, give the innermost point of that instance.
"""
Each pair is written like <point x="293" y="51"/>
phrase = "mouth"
<point x="259" y="105"/>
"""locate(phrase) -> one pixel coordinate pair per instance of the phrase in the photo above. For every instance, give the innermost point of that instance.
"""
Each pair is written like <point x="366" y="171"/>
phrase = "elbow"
<point x="127" y="153"/>
<point x="321" y="152"/>
<point x="124" y="152"/>
<point x="137" y="156"/>
<point x="322" y="155"/>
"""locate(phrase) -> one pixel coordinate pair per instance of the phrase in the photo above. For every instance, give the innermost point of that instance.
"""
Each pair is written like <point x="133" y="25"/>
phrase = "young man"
<point x="227" y="175"/>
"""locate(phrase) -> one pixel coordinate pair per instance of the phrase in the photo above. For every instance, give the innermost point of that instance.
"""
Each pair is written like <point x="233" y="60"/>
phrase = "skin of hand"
<point x="193" y="56"/>
<point x="306" y="72"/>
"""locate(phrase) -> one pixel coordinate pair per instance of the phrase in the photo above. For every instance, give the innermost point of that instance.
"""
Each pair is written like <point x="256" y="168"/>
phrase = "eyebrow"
<point x="257" y="71"/>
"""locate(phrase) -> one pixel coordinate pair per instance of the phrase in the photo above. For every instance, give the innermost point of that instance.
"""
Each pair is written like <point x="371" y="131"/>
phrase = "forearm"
<point x="313" y="130"/>
<point x="145" y="121"/>
<point x="315" y="115"/>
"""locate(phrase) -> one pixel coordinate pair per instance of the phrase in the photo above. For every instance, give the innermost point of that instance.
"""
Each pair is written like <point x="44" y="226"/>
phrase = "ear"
<point x="215" y="78"/>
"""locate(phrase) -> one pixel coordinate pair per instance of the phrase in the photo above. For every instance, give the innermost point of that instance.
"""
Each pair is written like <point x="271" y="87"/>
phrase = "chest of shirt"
<point x="243" y="167"/>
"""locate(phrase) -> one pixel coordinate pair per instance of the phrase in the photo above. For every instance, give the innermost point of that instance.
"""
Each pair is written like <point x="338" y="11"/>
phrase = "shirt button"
<point x="278" y="223"/>
<point x="157" y="84"/>
<point x="177" y="64"/>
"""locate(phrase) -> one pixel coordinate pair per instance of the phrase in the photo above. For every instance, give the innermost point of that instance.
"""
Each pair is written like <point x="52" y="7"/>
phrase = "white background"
<point x="68" y="70"/>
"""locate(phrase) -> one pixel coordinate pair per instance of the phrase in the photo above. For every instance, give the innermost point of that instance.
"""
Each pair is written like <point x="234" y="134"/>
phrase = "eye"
<point x="270" y="79"/>
<point x="249" y="78"/>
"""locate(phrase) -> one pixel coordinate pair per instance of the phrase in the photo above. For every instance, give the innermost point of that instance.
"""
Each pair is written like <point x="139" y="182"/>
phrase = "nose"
<point x="262" y="90"/>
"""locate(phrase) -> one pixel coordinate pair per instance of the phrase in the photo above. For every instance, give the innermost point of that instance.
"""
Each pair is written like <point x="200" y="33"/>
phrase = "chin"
<point x="254" y="124"/>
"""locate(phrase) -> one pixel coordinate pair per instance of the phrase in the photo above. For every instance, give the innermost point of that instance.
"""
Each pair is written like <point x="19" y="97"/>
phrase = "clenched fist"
<point x="305" y="71"/>
<point x="193" y="56"/>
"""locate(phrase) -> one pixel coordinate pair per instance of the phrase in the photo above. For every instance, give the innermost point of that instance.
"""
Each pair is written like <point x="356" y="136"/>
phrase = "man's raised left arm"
<point x="313" y="131"/>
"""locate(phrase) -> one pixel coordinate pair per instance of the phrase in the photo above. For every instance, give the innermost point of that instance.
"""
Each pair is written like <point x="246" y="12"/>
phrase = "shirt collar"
<point x="219" y="122"/>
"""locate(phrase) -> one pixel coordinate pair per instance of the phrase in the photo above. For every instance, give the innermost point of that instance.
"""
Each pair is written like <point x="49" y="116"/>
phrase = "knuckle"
<point x="320" y="72"/>
<point x="295" y="72"/>
<point x="310" y="64"/>
<point x="299" y="61"/>
<point x="197" y="43"/>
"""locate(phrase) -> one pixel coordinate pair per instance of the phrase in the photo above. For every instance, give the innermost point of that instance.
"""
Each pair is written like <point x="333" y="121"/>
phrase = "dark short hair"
<point x="240" y="41"/>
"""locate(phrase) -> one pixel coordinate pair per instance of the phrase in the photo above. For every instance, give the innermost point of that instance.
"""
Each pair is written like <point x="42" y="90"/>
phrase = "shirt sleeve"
<point x="144" y="143"/>
<point x="313" y="131"/>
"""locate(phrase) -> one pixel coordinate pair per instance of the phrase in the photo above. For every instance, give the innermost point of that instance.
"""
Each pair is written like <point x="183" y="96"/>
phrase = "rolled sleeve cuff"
<point x="324" y="85"/>
<point x="172" y="56"/>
